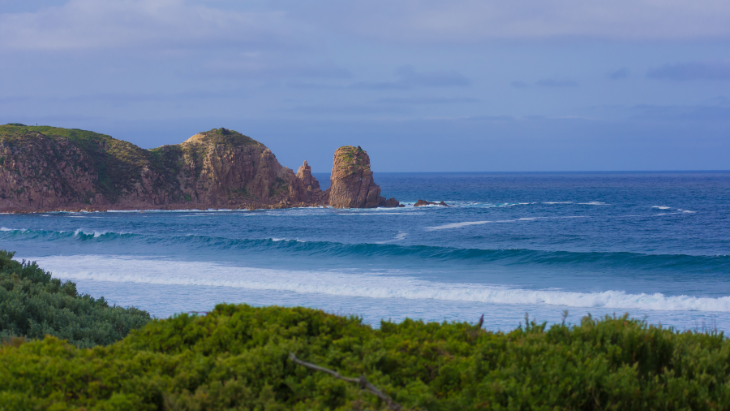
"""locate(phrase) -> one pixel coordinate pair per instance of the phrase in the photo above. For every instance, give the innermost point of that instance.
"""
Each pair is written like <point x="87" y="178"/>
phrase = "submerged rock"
<point x="421" y="203"/>
<point x="390" y="203"/>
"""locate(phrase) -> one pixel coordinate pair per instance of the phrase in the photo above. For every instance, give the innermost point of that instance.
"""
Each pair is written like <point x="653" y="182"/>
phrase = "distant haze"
<point x="464" y="85"/>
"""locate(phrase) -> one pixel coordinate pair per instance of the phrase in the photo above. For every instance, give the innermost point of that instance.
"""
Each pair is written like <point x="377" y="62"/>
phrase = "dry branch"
<point x="362" y="382"/>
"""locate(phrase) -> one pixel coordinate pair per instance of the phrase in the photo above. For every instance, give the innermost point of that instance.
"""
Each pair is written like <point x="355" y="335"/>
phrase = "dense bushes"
<point x="32" y="305"/>
<point x="237" y="358"/>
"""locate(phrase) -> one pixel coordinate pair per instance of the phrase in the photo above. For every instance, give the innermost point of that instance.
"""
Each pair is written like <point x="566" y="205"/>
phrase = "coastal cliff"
<point x="46" y="168"/>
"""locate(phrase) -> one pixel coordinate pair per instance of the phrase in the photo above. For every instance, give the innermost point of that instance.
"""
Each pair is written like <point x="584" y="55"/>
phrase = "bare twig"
<point x="362" y="382"/>
<point x="198" y="312"/>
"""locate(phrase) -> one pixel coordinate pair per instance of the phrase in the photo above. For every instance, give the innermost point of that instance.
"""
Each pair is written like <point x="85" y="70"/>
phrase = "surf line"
<point x="468" y="223"/>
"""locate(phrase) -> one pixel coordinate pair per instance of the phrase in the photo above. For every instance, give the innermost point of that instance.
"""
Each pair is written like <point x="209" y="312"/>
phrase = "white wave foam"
<point x="457" y="225"/>
<point x="595" y="203"/>
<point x="379" y="286"/>
<point x="381" y="213"/>
<point x="474" y="204"/>
<point x="468" y="223"/>
<point x="400" y="236"/>
<point x="186" y="210"/>
<point x="12" y="229"/>
<point x="662" y="207"/>
<point x="557" y="202"/>
<point x="687" y="211"/>
<point x="276" y="240"/>
<point x="96" y="234"/>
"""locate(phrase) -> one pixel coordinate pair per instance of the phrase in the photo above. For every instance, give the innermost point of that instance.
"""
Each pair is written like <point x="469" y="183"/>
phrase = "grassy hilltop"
<point x="238" y="358"/>
<point x="116" y="162"/>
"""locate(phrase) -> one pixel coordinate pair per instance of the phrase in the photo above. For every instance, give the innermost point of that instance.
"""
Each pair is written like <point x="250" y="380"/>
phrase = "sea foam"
<point x="346" y="284"/>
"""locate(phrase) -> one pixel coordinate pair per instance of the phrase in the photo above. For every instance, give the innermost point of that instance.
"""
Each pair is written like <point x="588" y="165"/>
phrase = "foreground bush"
<point x="237" y="357"/>
<point x="32" y="305"/>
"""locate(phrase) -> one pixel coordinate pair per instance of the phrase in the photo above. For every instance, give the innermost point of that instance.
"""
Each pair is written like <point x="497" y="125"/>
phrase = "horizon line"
<point x="553" y="171"/>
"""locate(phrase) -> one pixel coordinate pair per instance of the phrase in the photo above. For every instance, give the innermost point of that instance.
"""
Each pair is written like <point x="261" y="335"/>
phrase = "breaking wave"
<point x="293" y="247"/>
<point x="165" y="272"/>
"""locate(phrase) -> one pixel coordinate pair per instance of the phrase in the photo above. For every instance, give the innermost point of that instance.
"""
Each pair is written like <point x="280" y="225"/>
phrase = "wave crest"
<point x="295" y="247"/>
<point x="151" y="271"/>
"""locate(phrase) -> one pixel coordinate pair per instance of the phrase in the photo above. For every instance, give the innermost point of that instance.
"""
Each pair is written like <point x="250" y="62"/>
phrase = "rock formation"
<point x="47" y="168"/>
<point x="51" y="169"/>
<point x="310" y="191"/>
<point x="421" y="203"/>
<point x="352" y="184"/>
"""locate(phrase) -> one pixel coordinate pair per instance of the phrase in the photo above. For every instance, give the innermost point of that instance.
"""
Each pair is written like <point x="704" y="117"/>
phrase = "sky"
<point x="422" y="85"/>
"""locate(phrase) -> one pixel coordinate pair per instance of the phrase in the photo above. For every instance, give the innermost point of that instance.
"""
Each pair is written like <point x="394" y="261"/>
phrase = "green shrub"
<point x="33" y="305"/>
<point x="237" y="358"/>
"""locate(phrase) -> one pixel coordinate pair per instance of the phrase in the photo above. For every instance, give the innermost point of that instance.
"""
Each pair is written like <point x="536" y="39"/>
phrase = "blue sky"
<point x="482" y="85"/>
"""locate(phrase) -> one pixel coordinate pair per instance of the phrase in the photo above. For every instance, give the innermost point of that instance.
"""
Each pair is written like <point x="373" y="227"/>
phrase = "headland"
<point x="47" y="168"/>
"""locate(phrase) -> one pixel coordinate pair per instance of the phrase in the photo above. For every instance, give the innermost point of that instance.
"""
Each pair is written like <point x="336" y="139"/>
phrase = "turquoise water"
<point x="655" y="245"/>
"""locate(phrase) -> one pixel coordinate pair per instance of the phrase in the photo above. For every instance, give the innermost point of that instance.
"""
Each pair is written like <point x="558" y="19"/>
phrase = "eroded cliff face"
<point x="224" y="168"/>
<point x="352" y="184"/>
<point x="46" y="168"/>
<point x="310" y="186"/>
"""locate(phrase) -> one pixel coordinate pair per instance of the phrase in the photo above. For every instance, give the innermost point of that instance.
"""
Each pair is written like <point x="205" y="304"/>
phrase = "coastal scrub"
<point x="238" y="357"/>
<point x="33" y="305"/>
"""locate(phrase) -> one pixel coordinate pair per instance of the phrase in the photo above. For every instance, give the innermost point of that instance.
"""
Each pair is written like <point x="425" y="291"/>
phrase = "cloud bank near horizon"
<point x="553" y="74"/>
<point x="173" y="24"/>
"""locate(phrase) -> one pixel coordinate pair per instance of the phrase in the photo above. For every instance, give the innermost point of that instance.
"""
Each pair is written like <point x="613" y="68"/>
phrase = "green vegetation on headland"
<point x="238" y="357"/>
<point x="33" y="305"/>
<point x="115" y="164"/>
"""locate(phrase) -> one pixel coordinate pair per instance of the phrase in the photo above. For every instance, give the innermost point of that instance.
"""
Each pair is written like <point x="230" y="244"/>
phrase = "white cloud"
<point x="93" y="24"/>
<point x="479" y="20"/>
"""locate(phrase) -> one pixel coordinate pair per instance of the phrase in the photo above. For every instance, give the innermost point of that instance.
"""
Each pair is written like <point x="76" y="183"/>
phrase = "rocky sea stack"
<point x="352" y="184"/>
<point x="53" y="169"/>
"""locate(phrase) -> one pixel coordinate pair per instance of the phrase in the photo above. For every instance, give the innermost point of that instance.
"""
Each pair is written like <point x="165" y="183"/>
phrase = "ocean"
<point x="653" y="245"/>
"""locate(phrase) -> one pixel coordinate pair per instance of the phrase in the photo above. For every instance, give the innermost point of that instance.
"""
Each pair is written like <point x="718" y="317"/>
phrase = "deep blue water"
<point x="655" y="245"/>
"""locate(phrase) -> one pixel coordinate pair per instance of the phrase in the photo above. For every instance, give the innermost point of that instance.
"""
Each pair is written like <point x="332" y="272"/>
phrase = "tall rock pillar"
<point x="352" y="180"/>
